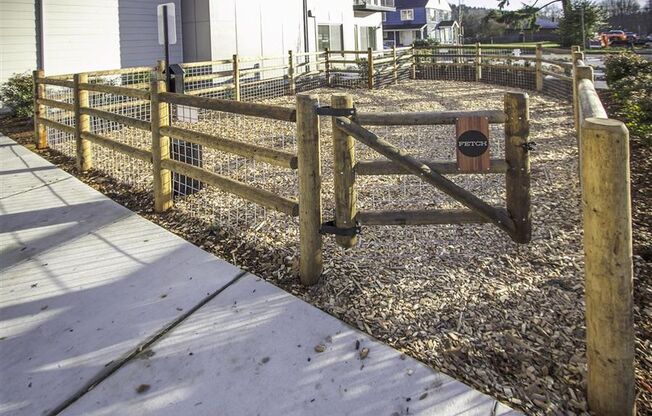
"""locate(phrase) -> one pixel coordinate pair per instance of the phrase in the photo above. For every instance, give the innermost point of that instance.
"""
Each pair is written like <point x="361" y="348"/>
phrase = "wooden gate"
<point x="514" y="218"/>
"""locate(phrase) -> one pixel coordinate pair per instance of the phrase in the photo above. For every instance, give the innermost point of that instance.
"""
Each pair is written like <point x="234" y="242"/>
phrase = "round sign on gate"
<point x="473" y="143"/>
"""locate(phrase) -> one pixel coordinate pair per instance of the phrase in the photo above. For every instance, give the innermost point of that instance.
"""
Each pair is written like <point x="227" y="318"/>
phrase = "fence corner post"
<point x="160" y="117"/>
<point x="236" y="78"/>
<point x="83" y="149"/>
<point x="517" y="178"/>
<point x="291" y="75"/>
<point x="478" y="62"/>
<point x="310" y="211"/>
<point x="40" y="134"/>
<point x="608" y="267"/>
<point x="539" y="67"/>
<point x="344" y="175"/>
<point x="370" y="68"/>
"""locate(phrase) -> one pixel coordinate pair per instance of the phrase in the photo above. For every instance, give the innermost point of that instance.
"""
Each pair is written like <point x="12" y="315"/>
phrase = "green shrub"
<point x="633" y="95"/>
<point x="625" y="64"/>
<point x="18" y="94"/>
<point x="425" y="43"/>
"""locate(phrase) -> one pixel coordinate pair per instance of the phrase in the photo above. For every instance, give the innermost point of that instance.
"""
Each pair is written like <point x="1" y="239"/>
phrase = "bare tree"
<point x="621" y="7"/>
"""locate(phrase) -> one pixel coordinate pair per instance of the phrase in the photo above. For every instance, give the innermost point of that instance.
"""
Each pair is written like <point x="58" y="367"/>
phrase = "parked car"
<point x="595" y="44"/>
<point x="614" y="37"/>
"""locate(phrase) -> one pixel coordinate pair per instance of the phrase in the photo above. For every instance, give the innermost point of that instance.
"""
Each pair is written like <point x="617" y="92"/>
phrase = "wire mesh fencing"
<point x="120" y="166"/>
<point x="221" y="209"/>
<point x="59" y="140"/>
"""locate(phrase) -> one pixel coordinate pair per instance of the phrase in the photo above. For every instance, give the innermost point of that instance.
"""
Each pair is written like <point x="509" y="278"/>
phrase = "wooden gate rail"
<point x="420" y="217"/>
<point x="388" y="167"/>
<point x="500" y="217"/>
<point x="423" y="118"/>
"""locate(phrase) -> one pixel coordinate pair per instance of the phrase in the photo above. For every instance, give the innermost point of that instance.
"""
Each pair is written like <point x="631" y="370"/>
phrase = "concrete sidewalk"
<point x="104" y="312"/>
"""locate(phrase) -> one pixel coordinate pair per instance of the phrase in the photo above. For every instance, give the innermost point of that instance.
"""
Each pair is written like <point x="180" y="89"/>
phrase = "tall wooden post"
<point x="539" y="67"/>
<point x="395" y="60"/>
<point x="311" y="260"/>
<point x="608" y="267"/>
<point x="40" y="134"/>
<point x="478" y="62"/>
<point x="236" y="78"/>
<point x="291" y="75"/>
<point x="370" y="68"/>
<point x="517" y="131"/>
<point x="577" y="56"/>
<point x="160" y="116"/>
<point x="82" y="124"/>
<point x="344" y="180"/>
<point x="327" y="66"/>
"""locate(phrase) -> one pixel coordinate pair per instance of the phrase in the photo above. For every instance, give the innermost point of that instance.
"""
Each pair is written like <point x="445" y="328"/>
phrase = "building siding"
<point x="138" y="33"/>
<point x="17" y="37"/>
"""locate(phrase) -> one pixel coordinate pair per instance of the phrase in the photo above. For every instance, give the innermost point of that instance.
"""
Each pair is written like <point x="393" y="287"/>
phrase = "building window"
<point x="407" y="14"/>
<point x="433" y="14"/>
<point x="368" y="38"/>
<point x="384" y="16"/>
<point x="330" y="37"/>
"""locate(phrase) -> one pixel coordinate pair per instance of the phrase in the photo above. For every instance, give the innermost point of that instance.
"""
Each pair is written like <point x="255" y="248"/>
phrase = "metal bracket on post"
<point x="330" y="228"/>
<point x="327" y="110"/>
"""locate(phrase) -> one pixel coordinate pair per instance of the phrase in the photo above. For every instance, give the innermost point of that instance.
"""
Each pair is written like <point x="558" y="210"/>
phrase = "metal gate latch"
<point x="529" y="146"/>
<point x="327" y="110"/>
<point x="330" y="228"/>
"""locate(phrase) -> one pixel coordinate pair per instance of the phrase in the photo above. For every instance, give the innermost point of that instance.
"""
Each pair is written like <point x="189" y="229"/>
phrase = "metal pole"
<point x="583" y="29"/>
<point x="167" y="48"/>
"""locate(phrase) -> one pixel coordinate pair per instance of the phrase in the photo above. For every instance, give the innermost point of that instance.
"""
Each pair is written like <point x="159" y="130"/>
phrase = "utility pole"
<point x="583" y="28"/>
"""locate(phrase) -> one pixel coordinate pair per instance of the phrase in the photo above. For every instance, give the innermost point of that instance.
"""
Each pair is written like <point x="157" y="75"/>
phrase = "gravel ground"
<point x="504" y="318"/>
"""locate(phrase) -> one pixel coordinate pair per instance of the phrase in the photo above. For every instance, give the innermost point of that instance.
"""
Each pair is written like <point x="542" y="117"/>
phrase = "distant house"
<point x="420" y="19"/>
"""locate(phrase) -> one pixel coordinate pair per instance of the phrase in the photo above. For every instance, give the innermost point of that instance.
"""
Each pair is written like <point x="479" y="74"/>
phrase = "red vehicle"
<point x="614" y="36"/>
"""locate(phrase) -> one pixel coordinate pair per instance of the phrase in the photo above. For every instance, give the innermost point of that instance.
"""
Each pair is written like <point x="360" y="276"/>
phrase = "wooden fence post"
<point x="413" y="74"/>
<point x="291" y="75"/>
<point x="160" y="117"/>
<point x="327" y="66"/>
<point x="539" y="67"/>
<point x="581" y="72"/>
<point x="478" y="62"/>
<point x="395" y="63"/>
<point x="310" y="212"/>
<point x="40" y="134"/>
<point x="517" y="180"/>
<point x="608" y="267"/>
<point x="577" y="56"/>
<point x="344" y="175"/>
<point x="236" y="78"/>
<point x="370" y="68"/>
<point x="82" y="124"/>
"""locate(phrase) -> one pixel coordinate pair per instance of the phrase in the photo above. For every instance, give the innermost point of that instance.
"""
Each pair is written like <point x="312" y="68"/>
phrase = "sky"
<point x="514" y="4"/>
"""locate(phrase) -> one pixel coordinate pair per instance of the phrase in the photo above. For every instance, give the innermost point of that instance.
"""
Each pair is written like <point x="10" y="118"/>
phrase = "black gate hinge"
<point x="330" y="228"/>
<point x="327" y="110"/>
<point x="529" y="146"/>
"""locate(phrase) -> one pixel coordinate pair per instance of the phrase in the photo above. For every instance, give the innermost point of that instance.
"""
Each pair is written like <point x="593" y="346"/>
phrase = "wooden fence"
<point x="603" y="145"/>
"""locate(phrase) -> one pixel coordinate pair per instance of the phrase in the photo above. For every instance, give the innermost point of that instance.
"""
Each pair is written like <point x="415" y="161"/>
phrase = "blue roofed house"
<point x="420" y="19"/>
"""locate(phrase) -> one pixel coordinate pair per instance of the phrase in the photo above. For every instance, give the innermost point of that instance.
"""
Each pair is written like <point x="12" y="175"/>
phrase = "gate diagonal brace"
<point x="330" y="228"/>
<point x="327" y="110"/>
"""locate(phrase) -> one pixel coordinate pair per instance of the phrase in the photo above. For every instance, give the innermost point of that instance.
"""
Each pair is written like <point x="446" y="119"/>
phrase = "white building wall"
<point x="80" y="35"/>
<point x="17" y="38"/>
